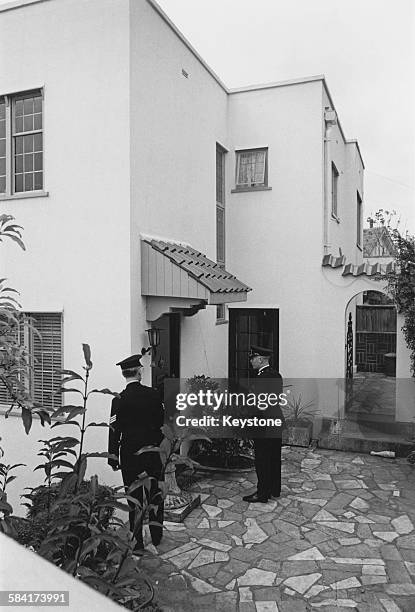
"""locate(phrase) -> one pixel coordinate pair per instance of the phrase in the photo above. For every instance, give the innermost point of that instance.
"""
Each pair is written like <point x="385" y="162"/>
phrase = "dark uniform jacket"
<point x="268" y="381"/>
<point x="268" y="446"/>
<point x="137" y="416"/>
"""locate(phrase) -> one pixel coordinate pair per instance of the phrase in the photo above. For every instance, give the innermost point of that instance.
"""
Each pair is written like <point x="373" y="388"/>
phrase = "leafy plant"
<point x="84" y="536"/>
<point x="223" y="452"/>
<point x="6" y="520"/>
<point x="401" y="287"/>
<point x="297" y="411"/>
<point x="401" y="280"/>
<point x="14" y="363"/>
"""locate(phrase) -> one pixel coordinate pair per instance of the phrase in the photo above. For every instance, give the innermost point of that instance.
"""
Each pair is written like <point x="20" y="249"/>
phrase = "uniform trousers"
<point x="268" y="466"/>
<point x="131" y="466"/>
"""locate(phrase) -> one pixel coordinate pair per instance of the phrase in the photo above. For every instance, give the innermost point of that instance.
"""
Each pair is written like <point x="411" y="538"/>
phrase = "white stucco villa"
<point x="152" y="195"/>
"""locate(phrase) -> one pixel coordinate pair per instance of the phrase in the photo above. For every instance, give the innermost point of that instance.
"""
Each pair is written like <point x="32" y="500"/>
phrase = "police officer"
<point x="136" y="419"/>
<point x="267" y="449"/>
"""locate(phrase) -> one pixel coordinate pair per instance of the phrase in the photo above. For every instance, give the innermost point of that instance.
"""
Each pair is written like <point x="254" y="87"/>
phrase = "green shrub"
<point x="32" y="530"/>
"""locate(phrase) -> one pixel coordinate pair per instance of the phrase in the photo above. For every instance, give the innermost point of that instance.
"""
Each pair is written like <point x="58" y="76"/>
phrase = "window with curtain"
<point x="251" y="168"/>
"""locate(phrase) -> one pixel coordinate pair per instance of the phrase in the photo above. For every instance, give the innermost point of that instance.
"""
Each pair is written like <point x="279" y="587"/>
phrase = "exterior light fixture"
<point x="153" y="334"/>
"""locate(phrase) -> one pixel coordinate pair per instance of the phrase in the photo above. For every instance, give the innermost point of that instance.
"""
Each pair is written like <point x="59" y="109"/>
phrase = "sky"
<point x="366" y="50"/>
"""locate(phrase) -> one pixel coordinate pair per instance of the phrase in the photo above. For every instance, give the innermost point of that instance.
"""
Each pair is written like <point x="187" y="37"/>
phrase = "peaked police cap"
<point x="261" y="351"/>
<point x="130" y="362"/>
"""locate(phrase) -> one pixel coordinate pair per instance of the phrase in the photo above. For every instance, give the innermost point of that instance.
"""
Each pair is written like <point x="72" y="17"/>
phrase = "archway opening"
<point x="371" y="358"/>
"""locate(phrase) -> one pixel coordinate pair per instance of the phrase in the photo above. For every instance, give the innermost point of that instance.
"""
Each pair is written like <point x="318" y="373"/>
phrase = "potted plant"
<point x="299" y="416"/>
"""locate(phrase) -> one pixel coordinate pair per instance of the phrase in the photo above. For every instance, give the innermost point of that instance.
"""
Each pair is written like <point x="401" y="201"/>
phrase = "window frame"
<point x="335" y="174"/>
<point x="11" y="135"/>
<point x="221" y="314"/>
<point x="220" y="183"/>
<point x="263" y="186"/>
<point x="359" y="221"/>
<point x="220" y="204"/>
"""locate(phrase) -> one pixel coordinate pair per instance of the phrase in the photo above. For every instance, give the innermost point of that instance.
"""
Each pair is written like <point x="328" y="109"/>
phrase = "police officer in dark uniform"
<point x="267" y="449"/>
<point x="137" y="416"/>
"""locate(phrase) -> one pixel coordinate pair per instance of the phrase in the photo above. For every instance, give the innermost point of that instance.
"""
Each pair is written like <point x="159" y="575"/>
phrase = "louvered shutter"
<point x="42" y="336"/>
<point x="46" y="350"/>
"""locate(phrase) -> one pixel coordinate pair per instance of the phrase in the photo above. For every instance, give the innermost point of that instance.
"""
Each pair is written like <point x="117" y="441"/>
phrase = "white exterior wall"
<point x="130" y="149"/>
<point x="173" y="184"/>
<point x="274" y="237"/>
<point x="77" y="238"/>
<point x="342" y="233"/>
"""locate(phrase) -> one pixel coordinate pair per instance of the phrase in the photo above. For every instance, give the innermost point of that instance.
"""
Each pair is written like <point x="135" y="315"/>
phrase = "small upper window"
<point x="21" y="142"/>
<point x="251" y="168"/>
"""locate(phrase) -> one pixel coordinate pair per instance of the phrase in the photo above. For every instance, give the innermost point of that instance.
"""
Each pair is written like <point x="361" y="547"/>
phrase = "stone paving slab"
<point x="341" y="537"/>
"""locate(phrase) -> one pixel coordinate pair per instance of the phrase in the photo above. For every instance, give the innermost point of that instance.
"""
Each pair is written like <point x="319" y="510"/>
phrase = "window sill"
<point x="244" y="189"/>
<point x="221" y="322"/>
<point x="24" y="194"/>
<point x="335" y="217"/>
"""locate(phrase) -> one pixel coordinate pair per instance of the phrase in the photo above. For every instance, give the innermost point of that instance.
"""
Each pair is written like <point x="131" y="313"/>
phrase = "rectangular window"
<point x="220" y="218"/>
<point x="220" y="235"/>
<point x="334" y="190"/>
<point x="220" y="312"/>
<point x="41" y="335"/>
<point x="251" y="168"/>
<point x="2" y="145"/>
<point x="220" y="175"/>
<point x="220" y="205"/>
<point x="359" y="221"/>
<point x="21" y="143"/>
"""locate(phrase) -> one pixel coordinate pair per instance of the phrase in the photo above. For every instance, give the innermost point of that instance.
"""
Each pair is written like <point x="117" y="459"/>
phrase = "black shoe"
<point x="138" y="549"/>
<point x="254" y="498"/>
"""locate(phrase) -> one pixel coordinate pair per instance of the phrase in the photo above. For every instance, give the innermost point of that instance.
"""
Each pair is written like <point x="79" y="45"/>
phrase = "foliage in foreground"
<point x="80" y="525"/>
<point x="401" y="286"/>
<point x="401" y="280"/>
<point x="15" y="369"/>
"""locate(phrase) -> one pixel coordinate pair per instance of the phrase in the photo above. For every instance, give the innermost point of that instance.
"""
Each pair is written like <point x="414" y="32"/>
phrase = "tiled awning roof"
<point x="172" y="269"/>
<point x="358" y="270"/>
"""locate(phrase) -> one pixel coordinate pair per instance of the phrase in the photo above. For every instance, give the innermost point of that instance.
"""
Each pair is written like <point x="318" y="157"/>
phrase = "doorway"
<point x="248" y="326"/>
<point x="371" y="360"/>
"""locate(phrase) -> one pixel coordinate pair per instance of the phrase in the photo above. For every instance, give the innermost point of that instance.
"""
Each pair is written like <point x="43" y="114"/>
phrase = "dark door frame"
<point x="234" y="314"/>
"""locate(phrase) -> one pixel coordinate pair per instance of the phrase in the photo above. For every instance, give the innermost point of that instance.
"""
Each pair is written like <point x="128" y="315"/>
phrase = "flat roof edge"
<point x="347" y="141"/>
<point x="353" y="141"/>
<point x="184" y="40"/>
<point x="298" y="81"/>
<point x="15" y="4"/>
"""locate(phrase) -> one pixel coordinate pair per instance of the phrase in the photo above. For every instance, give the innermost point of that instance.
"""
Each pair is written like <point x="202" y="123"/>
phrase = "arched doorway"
<point x="370" y="367"/>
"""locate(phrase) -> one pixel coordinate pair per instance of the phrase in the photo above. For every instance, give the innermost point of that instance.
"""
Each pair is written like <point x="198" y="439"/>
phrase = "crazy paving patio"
<point x="340" y="538"/>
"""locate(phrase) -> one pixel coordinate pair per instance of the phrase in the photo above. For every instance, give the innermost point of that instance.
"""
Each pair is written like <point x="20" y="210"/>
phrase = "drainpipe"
<point x="330" y="119"/>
